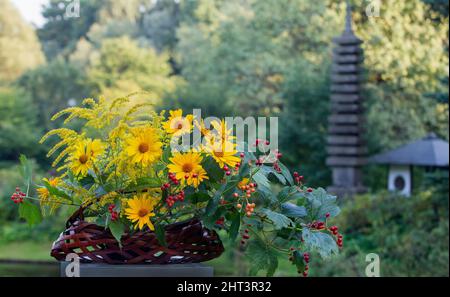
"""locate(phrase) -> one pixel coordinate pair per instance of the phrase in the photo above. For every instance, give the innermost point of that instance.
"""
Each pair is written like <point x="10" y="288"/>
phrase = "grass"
<point x="26" y="250"/>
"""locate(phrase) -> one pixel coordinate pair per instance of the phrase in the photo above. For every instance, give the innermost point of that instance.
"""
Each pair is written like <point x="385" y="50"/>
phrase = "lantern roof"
<point x="428" y="151"/>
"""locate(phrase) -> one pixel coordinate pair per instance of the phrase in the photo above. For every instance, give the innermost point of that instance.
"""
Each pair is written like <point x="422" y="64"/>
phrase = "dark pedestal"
<point x="173" y="270"/>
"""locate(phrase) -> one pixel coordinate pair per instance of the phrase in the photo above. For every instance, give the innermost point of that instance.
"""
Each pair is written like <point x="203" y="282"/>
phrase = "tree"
<point x="19" y="48"/>
<point x="123" y="67"/>
<point x="18" y="130"/>
<point x="407" y="62"/>
<point x="245" y="49"/>
<point x="53" y="87"/>
<point x="60" y="33"/>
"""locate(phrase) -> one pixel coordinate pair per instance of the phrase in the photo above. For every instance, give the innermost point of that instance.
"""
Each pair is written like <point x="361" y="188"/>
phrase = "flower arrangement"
<point x="120" y="169"/>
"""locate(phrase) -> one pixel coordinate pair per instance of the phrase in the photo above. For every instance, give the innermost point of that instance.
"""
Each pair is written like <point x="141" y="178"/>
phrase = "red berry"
<point x="309" y="190"/>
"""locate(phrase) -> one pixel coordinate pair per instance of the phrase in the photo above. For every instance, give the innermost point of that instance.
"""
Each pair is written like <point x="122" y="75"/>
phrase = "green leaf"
<point x="25" y="169"/>
<point x="198" y="197"/>
<point x="166" y="154"/>
<point x="279" y="220"/>
<point x="215" y="173"/>
<point x="161" y="235"/>
<point x="322" y="203"/>
<point x="214" y="202"/>
<point x="235" y="225"/>
<point x="144" y="183"/>
<point x="298" y="261"/>
<point x="286" y="173"/>
<point x="117" y="229"/>
<point x="262" y="257"/>
<point x="289" y="193"/>
<point x="267" y="170"/>
<point x="30" y="212"/>
<point x="56" y="192"/>
<point x="292" y="210"/>
<point x="261" y="179"/>
<point x="319" y="241"/>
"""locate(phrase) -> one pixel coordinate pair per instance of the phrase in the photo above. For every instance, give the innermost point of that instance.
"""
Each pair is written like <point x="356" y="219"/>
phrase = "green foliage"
<point x="322" y="242"/>
<point x="17" y="114"/>
<point x="262" y="257"/>
<point x="117" y="229"/>
<point x="51" y="87"/>
<point x="19" y="47"/>
<point x="123" y="67"/>
<point x="60" y="34"/>
<point x="409" y="234"/>
<point x="30" y="213"/>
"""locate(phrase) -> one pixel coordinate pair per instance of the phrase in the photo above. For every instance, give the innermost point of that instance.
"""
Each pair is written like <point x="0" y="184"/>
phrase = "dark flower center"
<point x="143" y="148"/>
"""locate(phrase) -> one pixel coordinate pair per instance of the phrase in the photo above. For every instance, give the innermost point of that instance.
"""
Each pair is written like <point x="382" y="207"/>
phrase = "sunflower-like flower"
<point x="177" y="124"/>
<point x="223" y="153"/>
<point x="144" y="146"/>
<point x="140" y="210"/>
<point x="84" y="156"/>
<point x="43" y="193"/>
<point x="187" y="168"/>
<point x="222" y="133"/>
<point x="200" y="125"/>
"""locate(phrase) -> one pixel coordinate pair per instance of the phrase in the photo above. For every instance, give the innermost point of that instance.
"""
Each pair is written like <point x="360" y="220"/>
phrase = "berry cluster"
<point x="339" y="237"/>
<point x="17" y="197"/>
<point x="220" y="221"/>
<point x="276" y="166"/>
<point x="245" y="235"/>
<point x="305" y="261"/>
<point x="248" y="189"/>
<point x="114" y="214"/>
<point x="298" y="178"/>
<point x="317" y="225"/>
<point x="171" y="199"/>
<point x="227" y="170"/>
<point x="172" y="179"/>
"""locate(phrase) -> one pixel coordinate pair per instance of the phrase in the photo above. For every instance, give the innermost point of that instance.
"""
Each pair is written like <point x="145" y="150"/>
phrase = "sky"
<point x="31" y="10"/>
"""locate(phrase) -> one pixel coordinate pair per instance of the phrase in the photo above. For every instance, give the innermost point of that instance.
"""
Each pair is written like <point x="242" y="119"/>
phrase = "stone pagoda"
<point x="345" y="144"/>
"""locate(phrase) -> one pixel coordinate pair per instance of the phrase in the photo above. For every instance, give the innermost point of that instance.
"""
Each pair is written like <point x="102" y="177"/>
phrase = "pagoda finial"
<point x="348" y="18"/>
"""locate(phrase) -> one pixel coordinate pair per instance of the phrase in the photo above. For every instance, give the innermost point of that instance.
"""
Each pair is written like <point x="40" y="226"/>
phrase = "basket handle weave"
<point x="77" y="216"/>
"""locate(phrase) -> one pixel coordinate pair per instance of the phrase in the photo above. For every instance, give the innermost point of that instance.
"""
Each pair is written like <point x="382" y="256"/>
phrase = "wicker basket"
<point x="187" y="242"/>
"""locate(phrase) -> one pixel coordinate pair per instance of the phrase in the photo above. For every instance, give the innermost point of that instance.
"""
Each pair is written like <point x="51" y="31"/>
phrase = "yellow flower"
<point x="96" y="147"/>
<point x="53" y="181"/>
<point x="43" y="193"/>
<point x="187" y="168"/>
<point x="202" y="127"/>
<point x="140" y="210"/>
<point x="243" y="183"/>
<point x="144" y="146"/>
<point x="224" y="153"/>
<point x="82" y="158"/>
<point x="222" y="131"/>
<point x="176" y="123"/>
